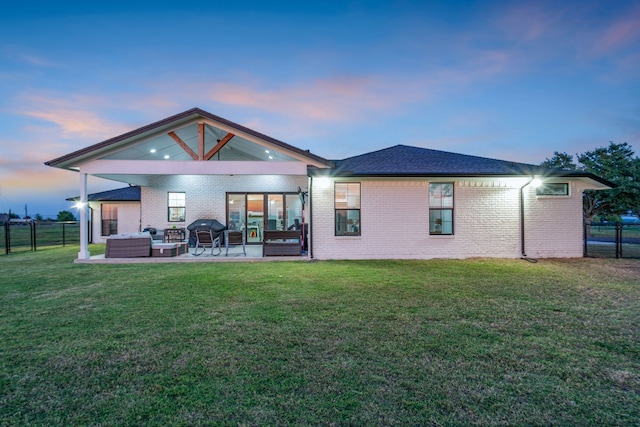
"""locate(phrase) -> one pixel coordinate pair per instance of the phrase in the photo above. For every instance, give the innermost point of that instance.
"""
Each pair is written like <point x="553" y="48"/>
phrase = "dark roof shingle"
<point x="126" y="194"/>
<point x="403" y="160"/>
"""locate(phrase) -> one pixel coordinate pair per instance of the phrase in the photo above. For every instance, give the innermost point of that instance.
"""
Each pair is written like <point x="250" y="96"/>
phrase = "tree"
<point x="66" y="216"/>
<point x="616" y="163"/>
<point x="560" y="161"/>
<point x="11" y="215"/>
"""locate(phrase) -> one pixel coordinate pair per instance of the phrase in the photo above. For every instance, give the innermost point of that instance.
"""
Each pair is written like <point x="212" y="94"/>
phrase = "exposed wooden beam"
<point x="219" y="146"/>
<point x="184" y="146"/>
<point x="201" y="141"/>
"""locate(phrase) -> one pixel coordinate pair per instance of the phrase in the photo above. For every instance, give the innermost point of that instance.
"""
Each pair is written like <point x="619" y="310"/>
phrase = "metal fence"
<point x="611" y="240"/>
<point x="31" y="235"/>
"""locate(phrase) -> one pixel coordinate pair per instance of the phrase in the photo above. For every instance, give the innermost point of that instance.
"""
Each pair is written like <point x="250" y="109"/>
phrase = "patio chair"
<point x="205" y="240"/>
<point x="234" y="238"/>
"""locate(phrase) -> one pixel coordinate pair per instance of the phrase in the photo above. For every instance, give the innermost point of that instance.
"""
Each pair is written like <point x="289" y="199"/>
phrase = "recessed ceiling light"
<point x="266" y="151"/>
<point x="153" y="150"/>
<point x="271" y="157"/>
<point x="166" y="156"/>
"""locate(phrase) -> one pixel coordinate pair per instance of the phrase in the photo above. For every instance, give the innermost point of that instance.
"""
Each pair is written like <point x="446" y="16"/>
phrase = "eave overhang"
<point x="596" y="182"/>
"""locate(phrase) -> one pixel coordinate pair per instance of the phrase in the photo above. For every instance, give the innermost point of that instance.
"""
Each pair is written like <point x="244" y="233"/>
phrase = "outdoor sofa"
<point x="282" y="243"/>
<point x="135" y="245"/>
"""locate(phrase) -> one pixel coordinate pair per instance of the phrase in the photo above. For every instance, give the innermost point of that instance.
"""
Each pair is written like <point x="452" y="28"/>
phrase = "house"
<point x="113" y="211"/>
<point x="399" y="202"/>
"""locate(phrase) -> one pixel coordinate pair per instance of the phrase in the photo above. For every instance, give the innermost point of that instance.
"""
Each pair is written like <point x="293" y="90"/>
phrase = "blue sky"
<point x="514" y="80"/>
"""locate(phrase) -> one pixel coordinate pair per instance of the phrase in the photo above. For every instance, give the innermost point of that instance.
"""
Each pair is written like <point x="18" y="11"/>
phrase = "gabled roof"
<point x="167" y="124"/>
<point x="403" y="160"/>
<point x="126" y="194"/>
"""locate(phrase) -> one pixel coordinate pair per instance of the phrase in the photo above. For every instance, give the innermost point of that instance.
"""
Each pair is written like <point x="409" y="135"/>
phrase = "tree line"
<point x="62" y="216"/>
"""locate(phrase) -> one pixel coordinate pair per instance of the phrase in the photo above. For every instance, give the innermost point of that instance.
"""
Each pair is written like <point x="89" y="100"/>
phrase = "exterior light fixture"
<point x="166" y="156"/>
<point x="153" y="150"/>
<point x="323" y="182"/>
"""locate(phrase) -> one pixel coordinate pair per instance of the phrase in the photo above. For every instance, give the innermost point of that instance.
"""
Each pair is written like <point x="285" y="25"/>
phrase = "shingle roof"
<point x="126" y="194"/>
<point x="403" y="160"/>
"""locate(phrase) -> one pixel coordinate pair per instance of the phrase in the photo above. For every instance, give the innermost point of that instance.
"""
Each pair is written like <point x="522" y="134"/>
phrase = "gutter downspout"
<point x="522" y="233"/>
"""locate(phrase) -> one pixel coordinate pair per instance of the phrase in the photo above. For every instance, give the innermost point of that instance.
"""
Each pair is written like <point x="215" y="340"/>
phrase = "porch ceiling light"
<point x="153" y="150"/>
<point x="166" y="156"/>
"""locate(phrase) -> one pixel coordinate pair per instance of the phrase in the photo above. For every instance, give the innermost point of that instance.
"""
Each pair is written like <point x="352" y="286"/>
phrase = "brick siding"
<point x="395" y="222"/>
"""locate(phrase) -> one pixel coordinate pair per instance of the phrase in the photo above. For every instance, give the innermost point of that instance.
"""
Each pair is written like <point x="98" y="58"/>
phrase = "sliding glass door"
<point x="256" y="212"/>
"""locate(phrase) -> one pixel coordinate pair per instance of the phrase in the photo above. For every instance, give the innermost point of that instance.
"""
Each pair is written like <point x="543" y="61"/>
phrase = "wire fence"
<point x="601" y="240"/>
<point x="611" y="240"/>
<point x="31" y="235"/>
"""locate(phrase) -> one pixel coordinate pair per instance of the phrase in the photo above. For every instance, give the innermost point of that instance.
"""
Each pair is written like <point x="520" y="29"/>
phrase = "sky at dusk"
<point x="513" y="80"/>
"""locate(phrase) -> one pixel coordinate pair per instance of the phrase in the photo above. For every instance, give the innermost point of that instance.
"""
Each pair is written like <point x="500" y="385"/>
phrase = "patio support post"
<point x="84" y="234"/>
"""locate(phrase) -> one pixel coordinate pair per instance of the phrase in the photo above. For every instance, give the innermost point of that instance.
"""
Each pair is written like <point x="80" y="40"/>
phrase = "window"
<point x="109" y="218"/>
<point x="553" y="189"/>
<point x="441" y="208"/>
<point x="347" y="206"/>
<point x="263" y="211"/>
<point x="177" y="209"/>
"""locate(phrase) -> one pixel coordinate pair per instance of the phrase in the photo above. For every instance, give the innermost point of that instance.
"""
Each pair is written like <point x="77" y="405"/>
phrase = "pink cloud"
<point x="531" y="21"/>
<point x="620" y="33"/>
<point x="72" y="115"/>
<point x="335" y="100"/>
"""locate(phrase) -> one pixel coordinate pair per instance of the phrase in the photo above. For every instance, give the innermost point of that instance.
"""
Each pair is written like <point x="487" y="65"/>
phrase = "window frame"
<point x="108" y="225"/>
<point x="170" y="206"/>
<point x="433" y="208"/>
<point x="344" y="212"/>
<point x="540" y="191"/>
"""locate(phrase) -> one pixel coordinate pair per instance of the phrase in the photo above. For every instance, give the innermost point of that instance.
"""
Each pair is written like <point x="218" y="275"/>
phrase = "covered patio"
<point x="254" y="254"/>
<point x="195" y="165"/>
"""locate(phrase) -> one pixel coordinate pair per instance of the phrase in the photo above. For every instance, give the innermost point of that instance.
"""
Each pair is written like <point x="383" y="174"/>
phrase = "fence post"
<point x="618" y="240"/>
<point x="7" y="240"/>
<point x="64" y="241"/>
<point x="584" y="239"/>
<point x="33" y="236"/>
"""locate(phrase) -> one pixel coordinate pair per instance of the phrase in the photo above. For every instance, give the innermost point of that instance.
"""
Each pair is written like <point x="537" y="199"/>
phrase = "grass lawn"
<point x="484" y="342"/>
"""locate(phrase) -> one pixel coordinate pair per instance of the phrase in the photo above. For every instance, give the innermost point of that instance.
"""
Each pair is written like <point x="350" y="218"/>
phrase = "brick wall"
<point x="206" y="195"/>
<point x="395" y="222"/>
<point x="128" y="219"/>
<point x="553" y="224"/>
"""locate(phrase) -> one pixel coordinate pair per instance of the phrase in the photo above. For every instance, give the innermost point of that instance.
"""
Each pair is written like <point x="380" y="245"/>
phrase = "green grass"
<point x="608" y="250"/>
<point x="484" y="342"/>
<point x="628" y="231"/>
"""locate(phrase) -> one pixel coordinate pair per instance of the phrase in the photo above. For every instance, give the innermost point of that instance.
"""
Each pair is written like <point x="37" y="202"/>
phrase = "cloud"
<point x="338" y="99"/>
<point x="622" y="32"/>
<point x="73" y="115"/>
<point x="25" y="55"/>
<point x="532" y="21"/>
